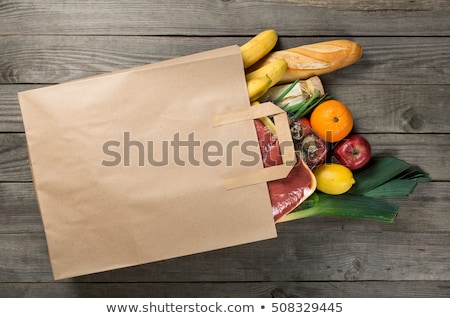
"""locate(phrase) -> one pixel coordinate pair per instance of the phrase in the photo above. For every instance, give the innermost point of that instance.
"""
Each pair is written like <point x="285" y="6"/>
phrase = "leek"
<point x="380" y="172"/>
<point x="393" y="189"/>
<point x="386" y="178"/>
<point x="345" y="205"/>
<point x="415" y="173"/>
<point x="400" y="186"/>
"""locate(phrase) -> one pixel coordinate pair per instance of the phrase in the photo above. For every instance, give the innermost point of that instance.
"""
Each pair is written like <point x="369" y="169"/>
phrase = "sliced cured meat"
<point x="285" y="194"/>
<point x="268" y="144"/>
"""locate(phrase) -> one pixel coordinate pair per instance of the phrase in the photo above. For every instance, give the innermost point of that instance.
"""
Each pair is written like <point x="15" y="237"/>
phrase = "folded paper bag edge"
<point x="284" y="137"/>
<point x="194" y="57"/>
<point x="241" y="114"/>
<point x="256" y="176"/>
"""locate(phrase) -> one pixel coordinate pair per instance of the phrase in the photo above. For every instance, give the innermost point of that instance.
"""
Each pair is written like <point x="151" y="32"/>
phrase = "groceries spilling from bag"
<point x="140" y="165"/>
<point x="337" y="174"/>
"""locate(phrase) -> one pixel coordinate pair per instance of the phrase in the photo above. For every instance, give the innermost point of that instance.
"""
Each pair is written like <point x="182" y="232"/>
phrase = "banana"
<point x="267" y="122"/>
<point x="274" y="70"/>
<point x="257" y="87"/>
<point x="258" y="46"/>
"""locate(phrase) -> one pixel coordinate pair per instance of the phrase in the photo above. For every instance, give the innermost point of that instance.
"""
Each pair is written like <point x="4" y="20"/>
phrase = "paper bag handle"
<point x="284" y="138"/>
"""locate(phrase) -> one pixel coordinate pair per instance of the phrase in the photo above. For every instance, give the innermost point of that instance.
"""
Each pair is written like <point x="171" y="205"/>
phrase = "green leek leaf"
<point x="415" y="173"/>
<point x="378" y="173"/>
<point x="393" y="189"/>
<point x="310" y="202"/>
<point x="348" y="206"/>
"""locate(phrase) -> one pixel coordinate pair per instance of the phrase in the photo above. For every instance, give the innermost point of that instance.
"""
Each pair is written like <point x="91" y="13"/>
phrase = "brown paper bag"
<point x="147" y="164"/>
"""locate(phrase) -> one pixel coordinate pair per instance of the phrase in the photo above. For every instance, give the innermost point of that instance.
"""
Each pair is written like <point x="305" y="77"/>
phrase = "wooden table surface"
<point x="398" y="92"/>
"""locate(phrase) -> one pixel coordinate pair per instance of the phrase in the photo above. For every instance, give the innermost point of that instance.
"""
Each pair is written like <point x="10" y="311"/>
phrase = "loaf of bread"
<point x="314" y="59"/>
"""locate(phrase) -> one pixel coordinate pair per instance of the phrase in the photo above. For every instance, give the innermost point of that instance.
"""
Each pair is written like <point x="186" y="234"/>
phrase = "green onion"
<point x="302" y="108"/>
<point x="279" y="98"/>
<point x="345" y="205"/>
<point x="306" y="106"/>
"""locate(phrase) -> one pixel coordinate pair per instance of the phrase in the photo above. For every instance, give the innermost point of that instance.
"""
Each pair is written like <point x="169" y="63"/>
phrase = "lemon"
<point x="333" y="178"/>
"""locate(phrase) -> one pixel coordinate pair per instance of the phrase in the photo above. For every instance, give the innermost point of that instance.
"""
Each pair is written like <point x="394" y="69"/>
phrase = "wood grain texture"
<point x="293" y="256"/>
<point x="424" y="211"/>
<point x="56" y="59"/>
<point x="19" y="208"/>
<point x="14" y="164"/>
<point x="176" y="17"/>
<point x="398" y="93"/>
<point x="372" y="289"/>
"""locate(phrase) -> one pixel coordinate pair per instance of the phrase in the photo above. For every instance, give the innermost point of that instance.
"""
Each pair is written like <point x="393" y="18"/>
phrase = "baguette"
<point x="314" y="59"/>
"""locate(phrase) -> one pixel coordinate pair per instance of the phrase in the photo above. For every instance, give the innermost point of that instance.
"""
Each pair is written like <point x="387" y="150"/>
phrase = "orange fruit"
<point x="331" y="120"/>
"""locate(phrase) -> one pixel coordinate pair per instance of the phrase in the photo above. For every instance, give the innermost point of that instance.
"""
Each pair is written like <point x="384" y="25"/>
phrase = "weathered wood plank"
<point x="375" y="108"/>
<point x="293" y="256"/>
<point x="398" y="93"/>
<point x="10" y="115"/>
<point x="24" y="255"/>
<point x="429" y="151"/>
<point x="426" y="210"/>
<point x="308" y="17"/>
<point x="55" y="59"/>
<point x="19" y="212"/>
<point x="14" y="164"/>
<point x="372" y="289"/>
<point x="395" y="108"/>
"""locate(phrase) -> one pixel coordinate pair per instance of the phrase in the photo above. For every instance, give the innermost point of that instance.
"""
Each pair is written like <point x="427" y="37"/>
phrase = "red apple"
<point x="353" y="152"/>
